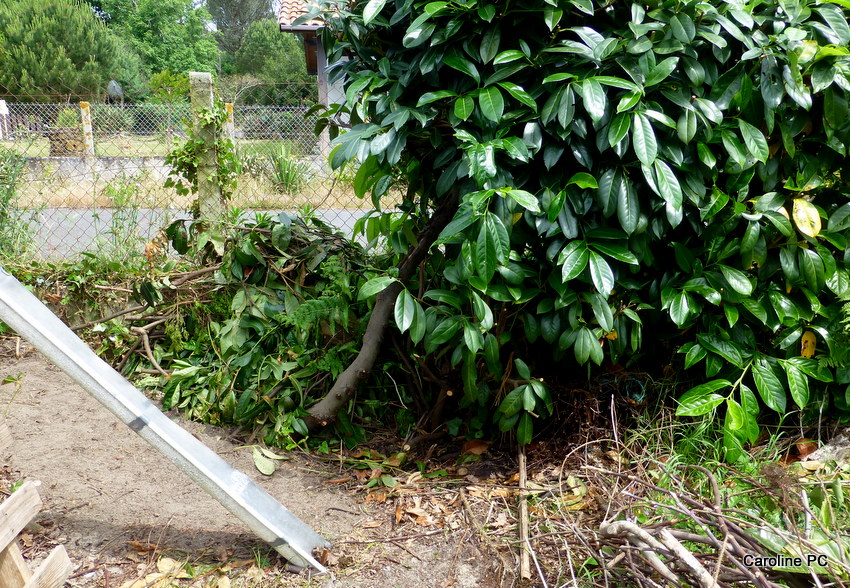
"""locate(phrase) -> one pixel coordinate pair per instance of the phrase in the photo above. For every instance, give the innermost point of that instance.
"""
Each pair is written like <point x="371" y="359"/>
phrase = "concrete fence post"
<point x="88" y="133"/>
<point x="229" y="127"/>
<point x="210" y="202"/>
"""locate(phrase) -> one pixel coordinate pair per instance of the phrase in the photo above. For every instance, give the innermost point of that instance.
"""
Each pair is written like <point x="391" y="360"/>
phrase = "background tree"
<point x="588" y="169"/>
<point x="171" y="35"/>
<point x="54" y="48"/>
<point x="232" y="19"/>
<point x="276" y="61"/>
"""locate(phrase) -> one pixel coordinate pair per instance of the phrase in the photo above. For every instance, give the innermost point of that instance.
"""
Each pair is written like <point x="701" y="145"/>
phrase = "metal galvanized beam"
<point x="263" y="514"/>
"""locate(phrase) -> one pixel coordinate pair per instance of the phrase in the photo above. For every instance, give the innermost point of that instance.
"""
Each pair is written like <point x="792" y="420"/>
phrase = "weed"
<point x="120" y="242"/>
<point x="68" y="118"/>
<point x="15" y="239"/>
<point x="287" y="173"/>
<point x="16" y="382"/>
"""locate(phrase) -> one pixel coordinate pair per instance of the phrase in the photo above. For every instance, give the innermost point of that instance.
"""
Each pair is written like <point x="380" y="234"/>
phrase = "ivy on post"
<point x="210" y="201"/>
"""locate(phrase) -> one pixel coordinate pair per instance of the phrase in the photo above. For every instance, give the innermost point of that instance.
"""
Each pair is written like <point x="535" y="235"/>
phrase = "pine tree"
<point x="56" y="49"/>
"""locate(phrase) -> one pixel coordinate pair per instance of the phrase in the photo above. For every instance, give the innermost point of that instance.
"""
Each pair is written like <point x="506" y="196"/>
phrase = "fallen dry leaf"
<point x="475" y="447"/>
<point x="172" y="567"/>
<point x="805" y="447"/>
<point x="338" y="480"/>
<point x="377" y="495"/>
<point x="396" y="459"/>
<point x="812" y="465"/>
<point x="142" y="547"/>
<point x="374" y="524"/>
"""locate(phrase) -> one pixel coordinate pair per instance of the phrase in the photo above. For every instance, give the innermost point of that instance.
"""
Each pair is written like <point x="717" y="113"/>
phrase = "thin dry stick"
<point x="110" y="317"/>
<point x="192" y="275"/>
<point x="524" y="559"/>
<point x="147" y="344"/>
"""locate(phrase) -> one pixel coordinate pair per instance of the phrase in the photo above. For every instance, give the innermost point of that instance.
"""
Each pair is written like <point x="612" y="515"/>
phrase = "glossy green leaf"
<point x="463" y="65"/>
<point x="643" y="139"/>
<point x="519" y="94"/>
<point x="404" y="311"/>
<point x="430" y="97"/>
<point x="550" y="326"/>
<point x="492" y="103"/>
<point x="661" y="71"/>
<point x="725" y="349"/>
<point x="769" y="387"/>
<point x="419" y="324"/>
<point x="600" y="273"/>
<point x="472" y="337"/>
<point x="594" y="99"/>
<point x="573" y="259"/>
<point x="525" y="199"/>
<point x="583" y="180"/>
<point x="701" y="399"/>
<point x="680" y="308"/>
<point x="585" y="345"/>
<point x="372" y="9"/>
<point x="373" y="286"/>
<point x="524" y="429"/>
<point x="735" y="417"/>
<point x="489" y="47"/>
<point x="615" y="251"/>
<point x="602" y="312"/>
<point x="754" y="140"/>
<point x="619" y="128"/>
<point x="628" y="101"/>
<point x="508" y="56"/>
<point x="686" y="127"/>
<point x="737" y="279"/>
<point x="668" y="184"/>
<point x="798" y="384"/>
<point x="464" y="106"/>
<point x="444" y="331"/>
<point x="694" y="355"/>
<point x="512" y="403"/>
<point x="811" y="268"/>
<point x="683" y="27"/>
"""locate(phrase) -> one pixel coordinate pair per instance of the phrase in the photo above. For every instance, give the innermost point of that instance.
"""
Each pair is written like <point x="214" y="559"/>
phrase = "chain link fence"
<point x="63" y="191"/>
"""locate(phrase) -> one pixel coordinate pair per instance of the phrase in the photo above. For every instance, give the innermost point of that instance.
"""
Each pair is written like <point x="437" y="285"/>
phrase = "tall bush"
<point x="623" y="181"/>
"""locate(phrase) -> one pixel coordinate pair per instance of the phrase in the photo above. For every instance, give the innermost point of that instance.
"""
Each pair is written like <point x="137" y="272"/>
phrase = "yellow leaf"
<point x="808" y="344"/>
<point x="806" y="217"/>
<point x="516" y="217"/>
<point x="166" y="565"/>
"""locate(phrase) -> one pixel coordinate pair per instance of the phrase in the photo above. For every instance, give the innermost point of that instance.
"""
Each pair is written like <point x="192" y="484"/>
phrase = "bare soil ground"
<point x="125" y="514"/>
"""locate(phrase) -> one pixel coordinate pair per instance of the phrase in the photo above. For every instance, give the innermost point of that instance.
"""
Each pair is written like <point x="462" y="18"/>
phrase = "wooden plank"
<point x="14" y="572"/>
<point x="5" y="436"/>
<point x="17" y="511"/>
<point x="53" y="571"/>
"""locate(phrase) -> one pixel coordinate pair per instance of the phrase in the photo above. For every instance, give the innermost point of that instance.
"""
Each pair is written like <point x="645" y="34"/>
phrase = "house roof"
<point x="290" y="10"/>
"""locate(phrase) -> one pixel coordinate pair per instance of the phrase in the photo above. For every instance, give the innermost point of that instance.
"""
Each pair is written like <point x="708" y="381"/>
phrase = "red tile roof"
<point x="290" y="10"/>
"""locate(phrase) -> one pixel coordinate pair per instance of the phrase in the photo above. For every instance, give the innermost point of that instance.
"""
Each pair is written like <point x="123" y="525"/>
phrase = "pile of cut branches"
<point x="767" y="530"/>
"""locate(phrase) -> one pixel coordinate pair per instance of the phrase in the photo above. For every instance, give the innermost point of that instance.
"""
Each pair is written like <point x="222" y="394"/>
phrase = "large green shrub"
<point x="634" y="179"/>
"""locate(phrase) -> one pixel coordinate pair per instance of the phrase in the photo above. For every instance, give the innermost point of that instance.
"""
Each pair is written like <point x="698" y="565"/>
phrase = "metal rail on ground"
<point x="263" y="514"/>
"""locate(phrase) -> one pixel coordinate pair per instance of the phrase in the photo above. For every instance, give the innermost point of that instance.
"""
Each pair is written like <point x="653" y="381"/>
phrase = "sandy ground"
<point x="118" y="506"/>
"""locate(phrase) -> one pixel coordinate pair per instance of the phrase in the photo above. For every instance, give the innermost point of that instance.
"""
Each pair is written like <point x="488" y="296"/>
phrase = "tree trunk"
<point x="324" y="412"/>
